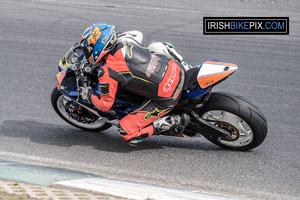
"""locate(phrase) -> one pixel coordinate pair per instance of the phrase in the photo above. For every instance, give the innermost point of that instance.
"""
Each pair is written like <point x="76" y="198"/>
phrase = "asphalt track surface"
<point x="34" y="35"/>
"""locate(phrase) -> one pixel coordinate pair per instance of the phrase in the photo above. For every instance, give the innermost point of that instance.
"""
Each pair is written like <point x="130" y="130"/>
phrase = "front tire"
<point x="244" y="121"/>
<point x="58" y="102"/>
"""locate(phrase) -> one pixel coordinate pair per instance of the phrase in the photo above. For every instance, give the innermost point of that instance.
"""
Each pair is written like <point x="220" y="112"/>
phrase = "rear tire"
<point x="238" y="116"/>
<point x="56" y="99"/>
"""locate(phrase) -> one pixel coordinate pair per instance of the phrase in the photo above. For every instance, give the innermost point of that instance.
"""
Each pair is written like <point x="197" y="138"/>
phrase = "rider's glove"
<point x="87" y="93"/>
<point x="84" y="92"/>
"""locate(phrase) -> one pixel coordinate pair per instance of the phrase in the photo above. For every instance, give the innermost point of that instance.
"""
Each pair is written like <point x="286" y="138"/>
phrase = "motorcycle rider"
<point x="155" y="72"/>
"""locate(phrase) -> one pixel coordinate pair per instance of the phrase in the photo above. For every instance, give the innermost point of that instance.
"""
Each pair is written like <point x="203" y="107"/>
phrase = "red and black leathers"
<point x="158" y="78"/>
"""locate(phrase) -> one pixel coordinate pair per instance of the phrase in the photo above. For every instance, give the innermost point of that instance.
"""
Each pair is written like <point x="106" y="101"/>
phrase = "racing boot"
<point x="174" y="124"/>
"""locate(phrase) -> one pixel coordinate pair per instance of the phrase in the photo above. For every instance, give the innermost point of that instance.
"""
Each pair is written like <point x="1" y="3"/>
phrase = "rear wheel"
<point x="66" y="109"/>
<point x="244" y="122"/>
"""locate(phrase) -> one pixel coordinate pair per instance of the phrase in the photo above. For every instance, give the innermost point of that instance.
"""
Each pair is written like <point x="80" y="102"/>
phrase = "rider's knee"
<point x="144" y="133"/>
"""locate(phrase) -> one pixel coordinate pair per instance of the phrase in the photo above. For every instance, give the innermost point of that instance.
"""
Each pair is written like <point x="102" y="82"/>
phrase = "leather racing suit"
<point x="158" y="78"/>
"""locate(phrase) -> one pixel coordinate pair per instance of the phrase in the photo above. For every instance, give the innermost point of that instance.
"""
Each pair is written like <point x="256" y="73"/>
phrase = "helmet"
<point x="97" y="40"/>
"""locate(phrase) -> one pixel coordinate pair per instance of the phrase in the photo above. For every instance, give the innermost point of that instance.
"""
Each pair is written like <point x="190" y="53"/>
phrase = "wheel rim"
<point x="61" y="108"/>
<point x="241" y="133"/>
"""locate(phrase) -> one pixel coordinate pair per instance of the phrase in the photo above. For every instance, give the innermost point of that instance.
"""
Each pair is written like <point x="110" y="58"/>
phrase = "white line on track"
<point x="112" y="5"/>
<point x="217" y="12"/>
<point x="139" y="191"/>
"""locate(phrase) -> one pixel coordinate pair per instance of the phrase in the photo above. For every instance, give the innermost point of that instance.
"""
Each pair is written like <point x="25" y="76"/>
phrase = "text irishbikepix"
<point x="248" y="25"/>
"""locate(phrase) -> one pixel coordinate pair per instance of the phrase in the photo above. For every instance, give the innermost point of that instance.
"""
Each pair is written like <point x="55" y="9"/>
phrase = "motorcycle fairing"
<point x="194" y="93"/>
<point x="66" y="61"/>
<point x="191" y="88"/>
<point x="119" y="110"/>
<point x="212" y="72"/>
<point x="59" y="78"/>
<point x="67" y="83"/>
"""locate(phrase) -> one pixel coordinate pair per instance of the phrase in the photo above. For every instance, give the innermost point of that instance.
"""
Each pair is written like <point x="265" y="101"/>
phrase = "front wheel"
<point x="244" y="122"/>
<point x="65" y="108"/>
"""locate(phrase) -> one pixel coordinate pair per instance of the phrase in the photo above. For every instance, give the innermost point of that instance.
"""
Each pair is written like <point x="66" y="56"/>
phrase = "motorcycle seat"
<point x="191" y="82"/>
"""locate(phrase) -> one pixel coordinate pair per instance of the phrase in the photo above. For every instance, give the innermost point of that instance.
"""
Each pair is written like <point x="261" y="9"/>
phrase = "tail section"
<point x="212" y="72"/>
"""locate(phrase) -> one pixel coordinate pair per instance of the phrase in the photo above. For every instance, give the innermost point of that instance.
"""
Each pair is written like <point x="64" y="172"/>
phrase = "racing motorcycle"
<point x="227" y="120"/>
